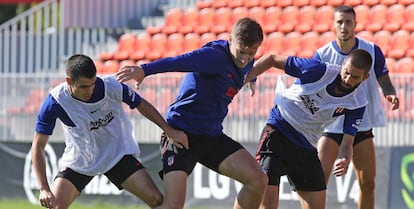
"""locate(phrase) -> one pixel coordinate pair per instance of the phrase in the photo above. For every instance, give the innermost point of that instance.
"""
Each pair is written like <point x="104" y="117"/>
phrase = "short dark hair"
<point x="361" y="59"/>
<point x="247" y="31"/>
<point x="345" y="9"/>
<point x="80" y="65"/>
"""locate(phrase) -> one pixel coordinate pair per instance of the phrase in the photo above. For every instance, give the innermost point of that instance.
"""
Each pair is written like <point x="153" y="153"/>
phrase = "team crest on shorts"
<point x="170" y="160"/>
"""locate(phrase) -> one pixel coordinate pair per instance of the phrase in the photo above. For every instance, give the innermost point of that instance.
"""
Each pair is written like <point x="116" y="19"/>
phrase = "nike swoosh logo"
<point x="93" y="111"/>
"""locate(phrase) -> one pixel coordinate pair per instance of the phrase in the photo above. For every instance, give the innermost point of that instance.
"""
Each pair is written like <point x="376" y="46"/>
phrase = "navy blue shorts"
<point x="278" y="156"/>
<point x="207" y="150"/>
<point x="117" y="175"/>
<point x="360" y="136"/>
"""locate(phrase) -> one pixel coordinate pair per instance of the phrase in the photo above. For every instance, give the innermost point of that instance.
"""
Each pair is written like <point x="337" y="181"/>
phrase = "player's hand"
<point x="252" y="87"/>
<point x="127" y="73"/>
<point x="47" y="199"/>
<point x="341" y="167"/>
<point x="178" y="138"/>
<point x="395" y="102"/>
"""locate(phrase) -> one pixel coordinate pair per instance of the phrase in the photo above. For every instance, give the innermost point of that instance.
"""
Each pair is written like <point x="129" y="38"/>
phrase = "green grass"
<point x="24" y="204"/>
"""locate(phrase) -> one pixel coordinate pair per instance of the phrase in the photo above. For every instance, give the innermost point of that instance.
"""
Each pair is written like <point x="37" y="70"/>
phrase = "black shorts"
<point x="278" y="156"/>
<point x="117" y="175"/>
<point x="209" y="151"/>
<point x="360" y="136"/>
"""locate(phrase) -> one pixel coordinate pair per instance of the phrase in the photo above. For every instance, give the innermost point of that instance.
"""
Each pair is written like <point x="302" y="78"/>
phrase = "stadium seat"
<point x="174" y="45"/>
<point x="207" y="37"/>
<point x="301" y="3"/>
<point x="404" y="65"/>
<point x="288" y="19"/>
<point x="410" y="50"/>
<point x="376" y="18"/>
<point x="99" y="66"/>
<point x="334" y="3"/>
<point x="203" y="4"/>
<point x="157" y="46"/>
<point x="284" y="3"/>
<point x="382" y="39"/>
<point x="189" y="20"/>
<point x="172" y="21"/>
<point x="326" y="37"/>
<point x="367" y="35"/>
<point x="370" y="3"/>
<point x="390" y="63"/>
<point x="126" y="45"/>
<point x="291" y="43"/>
<point x="222" y="20"/>
<point x="223" y="36"/>
<point x="257" y="13"/>
<point x="251" y="3"/>
<point x="306" y="17"/>
<point x="238" y="13"/>
<point x="353" y="3"/>
<point x="394" y="17"/>
<point x="408" y="22"/>
<point x="323" y="19"/>
<point x="205" y="20"/>
<point x="273" y="43"/>
<point x="110" y="67"/>
<point x="271" y="19"/>
<point x="388" y="2"/>
<point x="362" y="14"/>
<point x="142" y="44"/>
<point x="235" y="3"/>
<point x="317" y="3"/>
<point x="308" y="44"/>
<point x="127" y="63"/>
<point x="406" y="2"/>
<point x="191" y="42"/>
<point x="218" y="3"/>
<point x="268" y="3"/>
<point x="399" y="44"/>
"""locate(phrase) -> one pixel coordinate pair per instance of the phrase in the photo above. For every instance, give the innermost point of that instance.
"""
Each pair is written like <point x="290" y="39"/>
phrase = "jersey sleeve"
<point x="307" y="70"/>
<point x="46" y="119"/>
<point x="352" y="120"/>
<point x="380" y="67"/>
<point x="130" y="97"/>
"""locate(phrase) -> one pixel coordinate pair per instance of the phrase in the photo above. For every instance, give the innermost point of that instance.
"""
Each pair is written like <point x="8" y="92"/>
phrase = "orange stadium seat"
<point x="271" y="19"/>
<point x="353" y="3"/>
<point x="273" y="43"/>
<point x="207" y="37"/>
<point x="174" y="45"/>
<point x="323" y="19"/>
<point x="203" y="4"/>
<point x="317" y="3"/>
<point x="382" y="39"/>
<point x="376" y="18"/>
<point x="268" y="3"/>
<point x="142" y="44"/>
<point x="205" y="20"/>
<point x="410" y="50"/>
<point x="388" y="2"/>
<point x="235" y="3"/>
<point x="370" y="3"/>
<point x="284" y="3"/>
<point x="218" y="3"/>
<point x="408" y="22"/>
<point x="326" y="37"/>
<point x="334" y="3"/>
<point x="222" y="20"/>
<point x="305" y="19"/>
<point x="251" y="3"/>
<point x="291" y="43"/>
<point x="406" y="2"/>
<point x="172" y="21"/>
<point x="189" y="20"/>
<point x="404" y="65"/>
<point x="301" y="3"/>
<point x="399" y="44"/>
<point x="110" y="67"/>
<point x="126" y="46"/>
<point x="308" y="44"/>
<point x="362" y="14"/>
<point x="257" y="13"/>
<point x="127" y="63"/>
<point x="390" y="63"/>
<point x="223" y="36"/>
<point x="288" y="19"/>
<point x="367" y="35"/>
<point x="191" y="42"/>
<point x="157" y="46"/>
<point x="99" y="66"/>
<point x="238" y="12"/>
<point x="394" y="17"/>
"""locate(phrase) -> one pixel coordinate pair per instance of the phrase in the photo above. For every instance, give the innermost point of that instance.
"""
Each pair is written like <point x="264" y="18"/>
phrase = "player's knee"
<point x="367" y="186"/>
<point x="260" y="181"/>
<point x="155" y="200"/>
